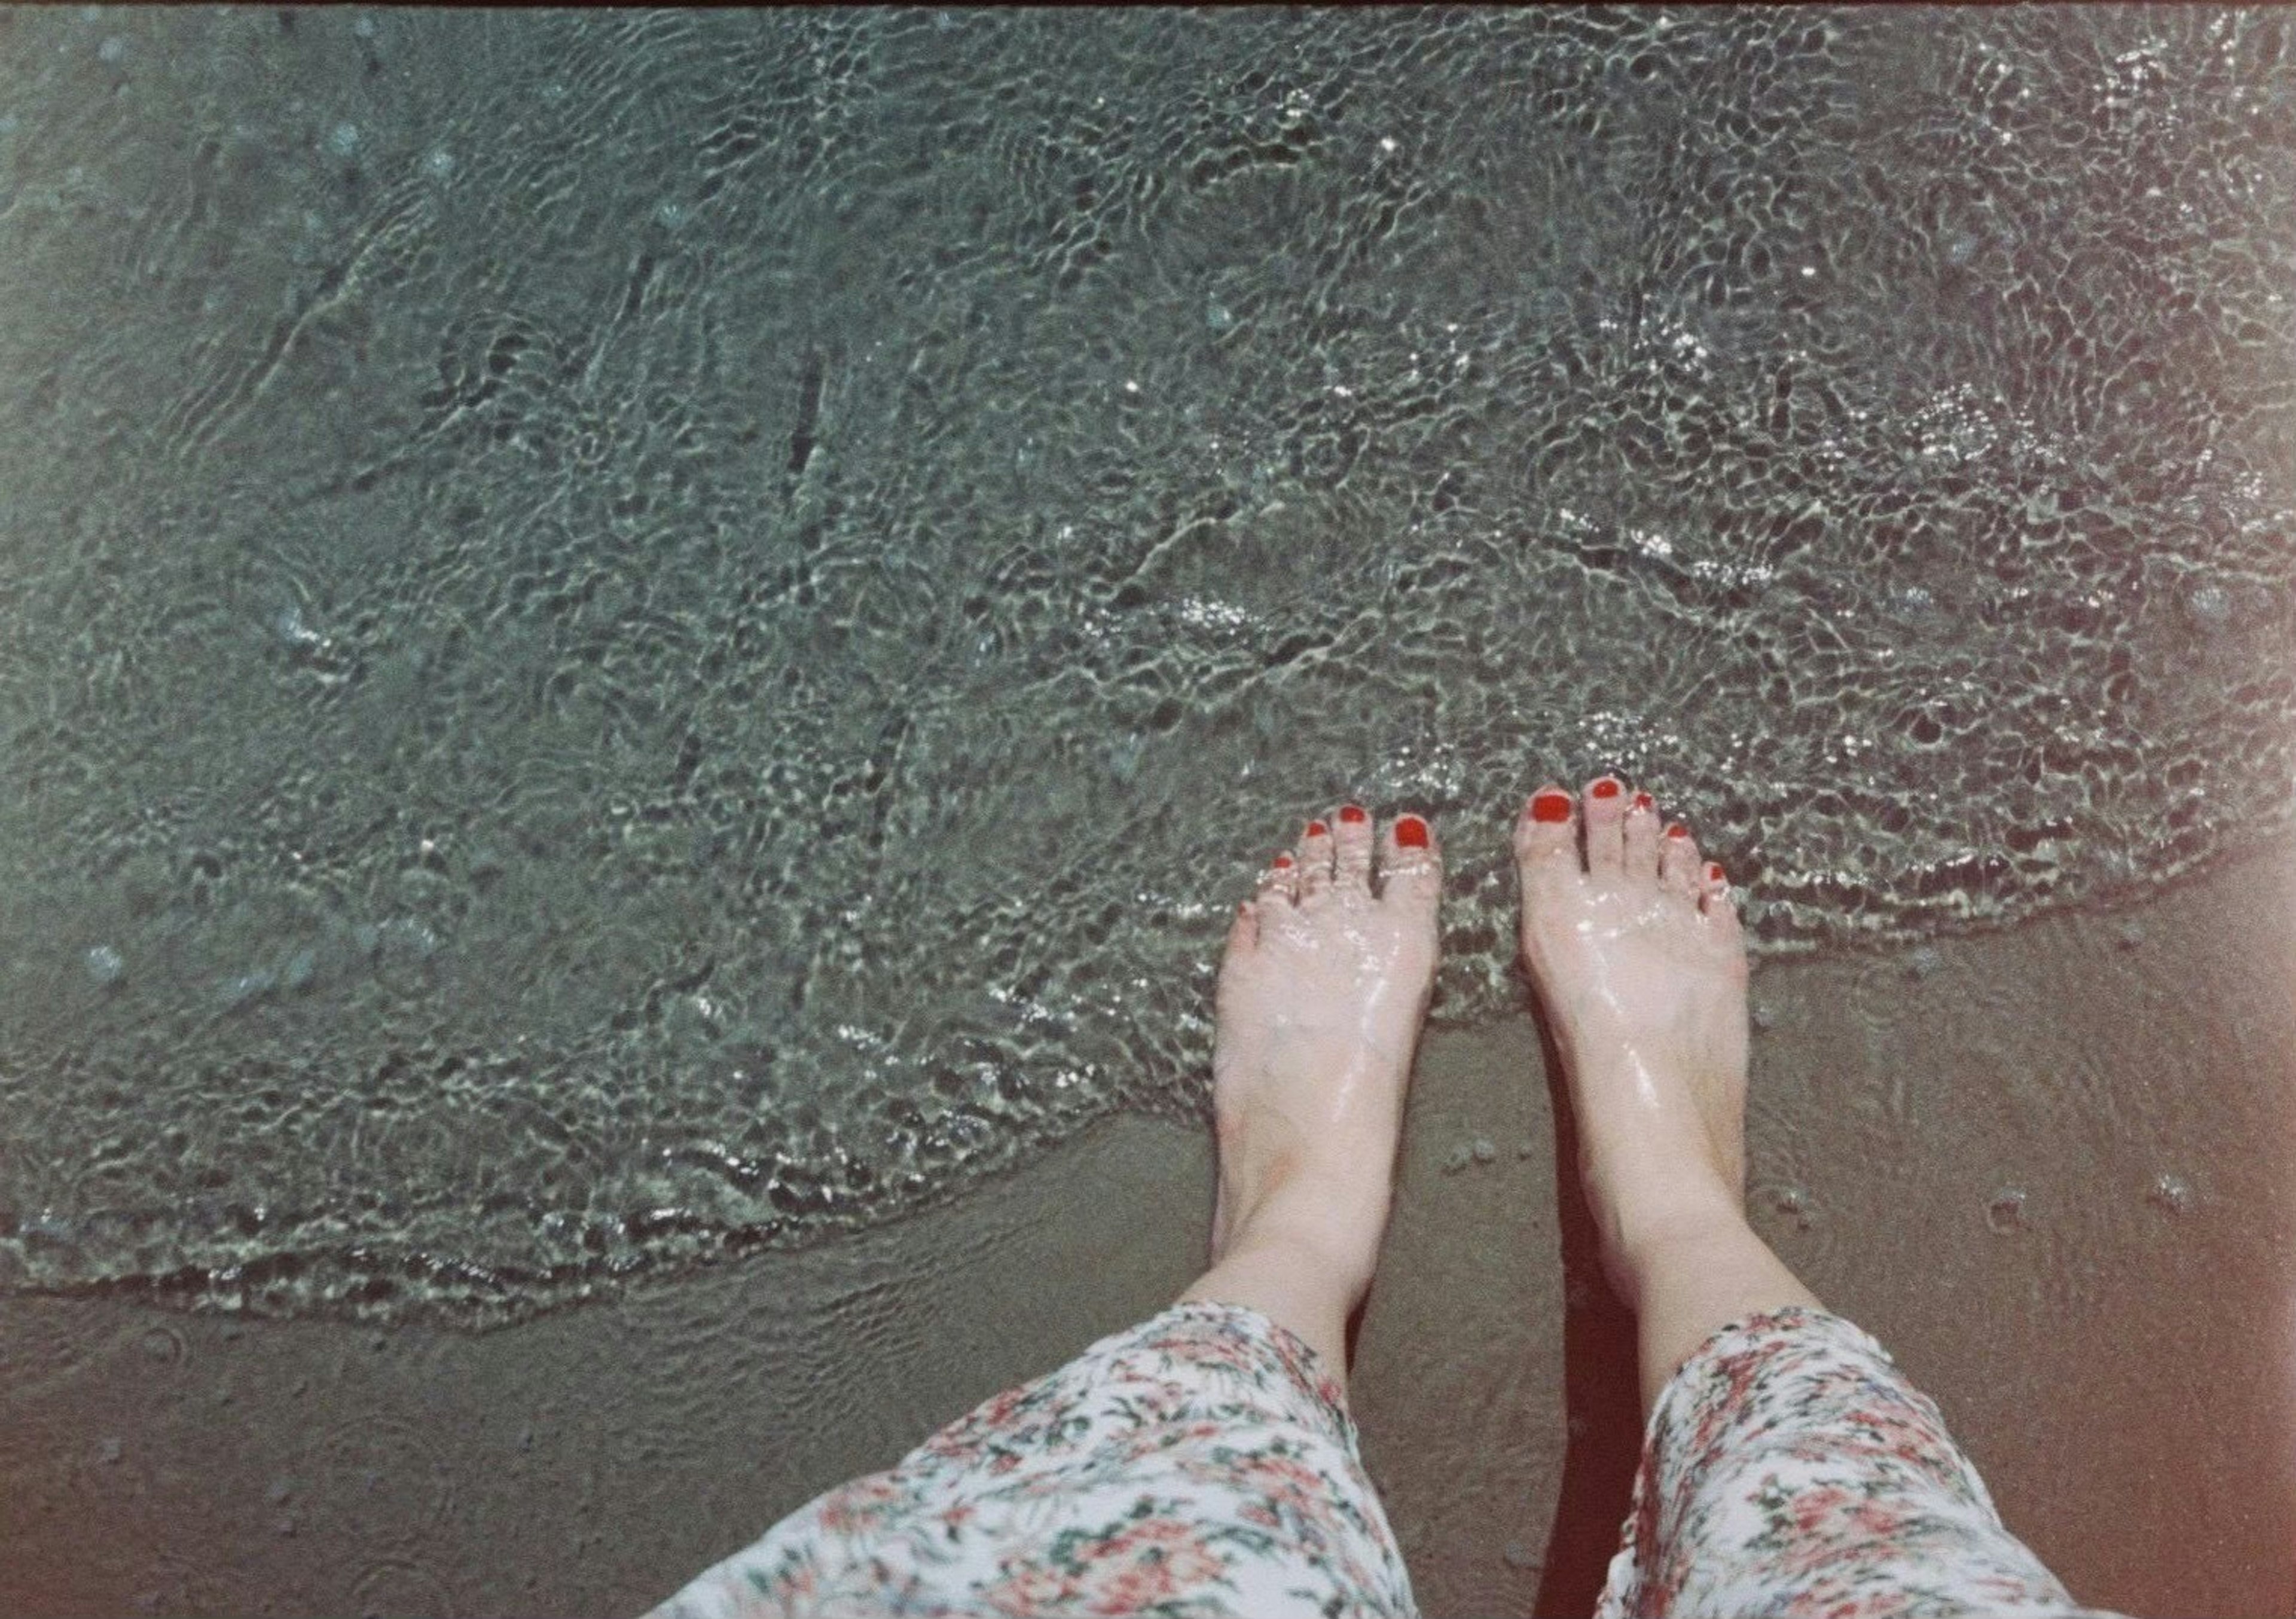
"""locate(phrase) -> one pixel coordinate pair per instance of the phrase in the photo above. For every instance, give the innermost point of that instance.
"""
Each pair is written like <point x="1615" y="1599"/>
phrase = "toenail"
<point x="1283" y="862"/>
<point x="1677" y="830"/>
<point x="1714" y="874"/>
<point x="1607" y="788"/>
<point x="1316" y="829"/>
<point x="1410" y="832"/>
<point x="1551" y="807"/>
<point x="1353" y="814"/>
<point x="1644" y="801"/>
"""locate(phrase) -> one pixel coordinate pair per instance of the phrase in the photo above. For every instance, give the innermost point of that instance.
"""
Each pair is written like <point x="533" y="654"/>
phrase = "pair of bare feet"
<point x="1634" y="942"/>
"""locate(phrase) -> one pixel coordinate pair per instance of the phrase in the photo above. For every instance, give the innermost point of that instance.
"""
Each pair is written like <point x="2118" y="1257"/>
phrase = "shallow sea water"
<point x="634" y="637"/>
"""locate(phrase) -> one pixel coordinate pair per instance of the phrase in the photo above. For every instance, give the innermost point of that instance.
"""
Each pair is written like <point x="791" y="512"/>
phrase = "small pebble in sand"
<point x="279" y="1490"/>
<point x="1923" y="962"/>
<point x="2132" y="935"/>
<point x="1793" y="1203"/>
<point x="1458" y="1158"/>
<point x="1762" y="1017"/>
<point x="1486" y="1150"/>
<point x="1527" y="1150"/>
<point x="2172" y="1194"/>
<point x="2006" y="1213"/>
<point x="109" y="1451"/>
<point x="1519" y="1556"/>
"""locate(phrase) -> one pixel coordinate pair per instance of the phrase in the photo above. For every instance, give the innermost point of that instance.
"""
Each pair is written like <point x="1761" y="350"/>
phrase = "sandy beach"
<point x="2050" y="1167"/>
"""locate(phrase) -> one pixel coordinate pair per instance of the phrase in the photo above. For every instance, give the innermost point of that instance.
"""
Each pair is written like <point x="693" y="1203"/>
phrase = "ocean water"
<point x="626" y="638"/>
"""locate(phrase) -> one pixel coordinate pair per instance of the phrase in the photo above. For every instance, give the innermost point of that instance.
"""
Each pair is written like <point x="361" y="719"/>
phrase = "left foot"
<point x="1321" y="995"/>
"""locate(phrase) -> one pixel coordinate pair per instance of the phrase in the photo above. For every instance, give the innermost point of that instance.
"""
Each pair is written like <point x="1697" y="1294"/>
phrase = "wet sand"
<point x="2054" y="1169"/>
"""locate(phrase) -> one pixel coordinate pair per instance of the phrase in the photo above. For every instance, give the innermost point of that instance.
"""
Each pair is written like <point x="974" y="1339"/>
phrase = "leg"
<point x="1787" y="1466"/>
<point x="1203" y="1462"/>
<point x="1635" y="949"/>
<point x="1198" y="1464"/>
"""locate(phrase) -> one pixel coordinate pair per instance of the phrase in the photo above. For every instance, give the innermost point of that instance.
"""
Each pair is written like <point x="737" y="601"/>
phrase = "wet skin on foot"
<point x="1633" y="941"/>
<point x="1634" y="945"/>
<point x="1322" y="991"/>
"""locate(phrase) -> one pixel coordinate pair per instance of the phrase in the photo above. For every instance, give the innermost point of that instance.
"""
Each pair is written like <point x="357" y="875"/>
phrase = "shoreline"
<point x="2045" y="1167"/>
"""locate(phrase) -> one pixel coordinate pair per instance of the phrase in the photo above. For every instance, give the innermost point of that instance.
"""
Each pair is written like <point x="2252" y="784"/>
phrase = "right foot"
<point x="1633" y="941"/>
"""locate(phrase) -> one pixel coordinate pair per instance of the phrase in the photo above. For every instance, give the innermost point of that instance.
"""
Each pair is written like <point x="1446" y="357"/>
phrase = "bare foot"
<point x="1634" y="942"/>
<point x="1321" y="996"/>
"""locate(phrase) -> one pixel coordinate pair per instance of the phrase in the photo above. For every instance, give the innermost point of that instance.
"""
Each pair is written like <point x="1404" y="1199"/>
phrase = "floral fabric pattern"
<point x="1789" y="1468"/>
<point x="1199" y="1464"/>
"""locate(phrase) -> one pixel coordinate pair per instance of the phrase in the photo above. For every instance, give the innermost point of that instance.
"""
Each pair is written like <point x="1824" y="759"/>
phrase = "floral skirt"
<point x="1202" y="1464"/>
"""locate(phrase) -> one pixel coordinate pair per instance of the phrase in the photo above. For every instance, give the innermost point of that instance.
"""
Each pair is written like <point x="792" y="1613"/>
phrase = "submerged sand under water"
<point x="2119" y="1353"/>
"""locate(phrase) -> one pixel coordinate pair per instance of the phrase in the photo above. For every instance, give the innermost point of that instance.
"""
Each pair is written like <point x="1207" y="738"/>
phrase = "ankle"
<point x="1659" y="1234"/>
<point x="1287" y="1263"/>
<point x="1685" y="1283"/>
<point x="1328" y="1236"/>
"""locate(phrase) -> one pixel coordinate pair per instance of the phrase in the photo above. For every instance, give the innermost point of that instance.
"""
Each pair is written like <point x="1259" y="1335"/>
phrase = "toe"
<point x="1279" y="883"/>
<point x="1314" y="859"/>
<point x="1244" y="930"/>
<point x="1679" y="861"/>
<point x="1411" y="867"/>
<point x="1352" y="837"/>
<point x="1718" y="901"/>
<point x="1605" y="809"/>
<point x="1642" y="836"/>
<point x="1547" y="833"/>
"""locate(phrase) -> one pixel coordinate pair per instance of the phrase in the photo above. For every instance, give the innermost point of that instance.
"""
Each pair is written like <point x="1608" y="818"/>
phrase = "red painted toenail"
<point x="1607" y="788"/>
<point x="1353" y="814"/>
<point x="1316" y="829"/>
<point x="1551" y="807"/>
<point x="1644" y="801"/>
<point x="1282" y="862"/>
<point x="1714" y="874"/>
<point x="1410" y="832"/>
<point x="1677" y="830"/>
